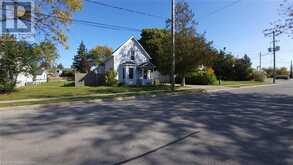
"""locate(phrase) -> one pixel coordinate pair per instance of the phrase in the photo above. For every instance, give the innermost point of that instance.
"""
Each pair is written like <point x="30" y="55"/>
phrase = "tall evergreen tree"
<point x="80" y="61"/>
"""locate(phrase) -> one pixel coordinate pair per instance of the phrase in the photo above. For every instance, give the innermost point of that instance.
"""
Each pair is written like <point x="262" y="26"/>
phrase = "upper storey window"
<point x="132" y="54"/>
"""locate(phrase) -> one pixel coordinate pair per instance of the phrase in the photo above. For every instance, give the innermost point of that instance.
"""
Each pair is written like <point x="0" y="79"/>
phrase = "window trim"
<point x="123" y="73"/>
<point x="132" y="57"/>
<point x="145" y="74"/>
<point x="130" y="74"/>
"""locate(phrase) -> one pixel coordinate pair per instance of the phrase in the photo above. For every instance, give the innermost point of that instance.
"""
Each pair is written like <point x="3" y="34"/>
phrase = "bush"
<point x="67" y="73"/>
<point x="110" y="78"/>
<point x="6" y="87"/>
<point x="259" y="76"/>
<point x="204" y="77"/>
<point x="157" y="82"/>
<point x="283" y="77"/>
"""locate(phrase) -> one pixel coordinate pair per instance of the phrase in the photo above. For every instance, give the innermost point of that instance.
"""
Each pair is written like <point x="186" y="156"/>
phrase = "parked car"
<point x="282" y="77"/>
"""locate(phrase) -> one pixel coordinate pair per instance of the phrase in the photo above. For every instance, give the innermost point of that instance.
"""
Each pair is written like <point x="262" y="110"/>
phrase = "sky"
<point x="239" y="27"/>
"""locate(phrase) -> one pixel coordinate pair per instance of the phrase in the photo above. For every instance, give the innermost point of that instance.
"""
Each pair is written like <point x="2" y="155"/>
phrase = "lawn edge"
<point x="80" y="100"/>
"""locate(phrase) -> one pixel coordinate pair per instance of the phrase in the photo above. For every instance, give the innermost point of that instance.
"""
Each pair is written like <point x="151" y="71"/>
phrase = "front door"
<point x="130" y="78"/>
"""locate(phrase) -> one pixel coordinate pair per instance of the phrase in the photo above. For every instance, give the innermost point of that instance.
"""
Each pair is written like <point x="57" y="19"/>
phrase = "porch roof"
<point x="129" y="63"/>
<point x="147" y="65"/>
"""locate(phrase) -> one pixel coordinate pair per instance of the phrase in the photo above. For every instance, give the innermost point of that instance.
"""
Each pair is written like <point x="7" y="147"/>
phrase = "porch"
<point x="133" y="74"/>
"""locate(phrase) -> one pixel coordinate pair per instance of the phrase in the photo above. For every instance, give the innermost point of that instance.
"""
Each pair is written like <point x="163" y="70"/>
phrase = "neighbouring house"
<point x="23" y="79"/>
<point x="59" y="72"/>
<point x="131" y="62"/>
<point x="41" y="76"/>
<point x="55" y="75"/>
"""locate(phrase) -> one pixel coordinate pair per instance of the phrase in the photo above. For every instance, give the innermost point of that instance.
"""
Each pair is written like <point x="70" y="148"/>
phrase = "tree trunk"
<point x="183" y="81"/>
<point x="220" y="81"/>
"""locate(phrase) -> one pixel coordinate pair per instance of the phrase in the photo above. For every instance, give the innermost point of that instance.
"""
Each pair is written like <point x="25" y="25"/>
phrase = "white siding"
<point x="41" y="78"/>
<point x="23" y="79"/>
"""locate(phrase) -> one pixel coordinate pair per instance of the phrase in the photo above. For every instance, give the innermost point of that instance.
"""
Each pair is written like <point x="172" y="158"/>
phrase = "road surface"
<point x="239" y="127"/>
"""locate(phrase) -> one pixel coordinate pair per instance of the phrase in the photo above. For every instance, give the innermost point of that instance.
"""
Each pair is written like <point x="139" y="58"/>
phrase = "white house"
<point x="23" y="79"/>
<point x="132" y="64"/>
<point x="41" y="77"/>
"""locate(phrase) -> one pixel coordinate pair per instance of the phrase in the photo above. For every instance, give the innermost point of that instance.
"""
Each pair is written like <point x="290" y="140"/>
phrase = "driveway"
<point x="239" y="127"/>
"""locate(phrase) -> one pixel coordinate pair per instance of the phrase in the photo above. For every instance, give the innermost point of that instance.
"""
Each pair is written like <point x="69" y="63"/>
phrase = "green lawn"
<point x="56" y="89"/>
<point x="64" y="88"/>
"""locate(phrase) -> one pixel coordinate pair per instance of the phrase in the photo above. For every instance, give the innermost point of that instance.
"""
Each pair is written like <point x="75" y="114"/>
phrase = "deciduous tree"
<point x="243" y="70"/>
<point x="99" y="54"/>
<point x="282" y="71"/>
<point x="16" y="57"/>
<point x="156" y="43"/>
<point x="52" y="17"/>
<point x="192" y="48"/>
<point x="48" y="54"/>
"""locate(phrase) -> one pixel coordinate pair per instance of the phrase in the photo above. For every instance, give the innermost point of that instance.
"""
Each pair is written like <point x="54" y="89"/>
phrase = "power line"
<point x="97" y="24"/>
<point x="105" y="26"/>
<point x="88" y="23"/>
<point x="223" y="8"/>
<point x="125" y="9"/>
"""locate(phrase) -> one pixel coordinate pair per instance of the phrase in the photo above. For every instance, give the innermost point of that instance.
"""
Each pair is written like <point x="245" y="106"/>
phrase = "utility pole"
<point x="291" y="70"/>
<point x="260" y="61"/>
<point x="173" y="29"/>
<point x="274" y="53"/>
<point x="275" y="31"/>
<point x="274" y="49"/>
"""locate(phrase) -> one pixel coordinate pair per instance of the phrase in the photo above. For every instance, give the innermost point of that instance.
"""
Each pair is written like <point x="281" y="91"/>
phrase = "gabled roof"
<point x="125" y="43"/>
<point x="132" y="38"/>
<point x="147" y="65"/>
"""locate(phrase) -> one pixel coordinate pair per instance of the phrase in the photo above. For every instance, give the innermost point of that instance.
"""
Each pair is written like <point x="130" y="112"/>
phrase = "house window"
<point x="132" y="54"/>
<point x="145" y="74"/>
<point x="123" y="73"/>
<point x="131" y="73"/>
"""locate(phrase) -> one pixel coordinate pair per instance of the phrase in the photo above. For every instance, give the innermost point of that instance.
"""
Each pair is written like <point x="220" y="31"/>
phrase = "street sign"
<point x="277" y="48"/>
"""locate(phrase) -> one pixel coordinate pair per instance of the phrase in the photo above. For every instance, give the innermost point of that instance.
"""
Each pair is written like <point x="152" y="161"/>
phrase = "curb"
<point x="76" y="97"/>
<point x="244" y="87"/>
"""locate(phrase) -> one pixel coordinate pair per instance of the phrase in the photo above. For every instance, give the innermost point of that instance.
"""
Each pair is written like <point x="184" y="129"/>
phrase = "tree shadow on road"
<point x="234" y="129"/>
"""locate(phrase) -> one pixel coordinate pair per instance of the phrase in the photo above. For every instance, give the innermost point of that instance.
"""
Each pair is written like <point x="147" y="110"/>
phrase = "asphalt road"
<point x="239" y="127"/>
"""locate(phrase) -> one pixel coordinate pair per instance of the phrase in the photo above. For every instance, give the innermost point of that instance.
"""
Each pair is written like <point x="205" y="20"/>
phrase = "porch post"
<point x="142" y="73"/>
<point x="149" y="74"/>
<point x="142" y="76"/>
